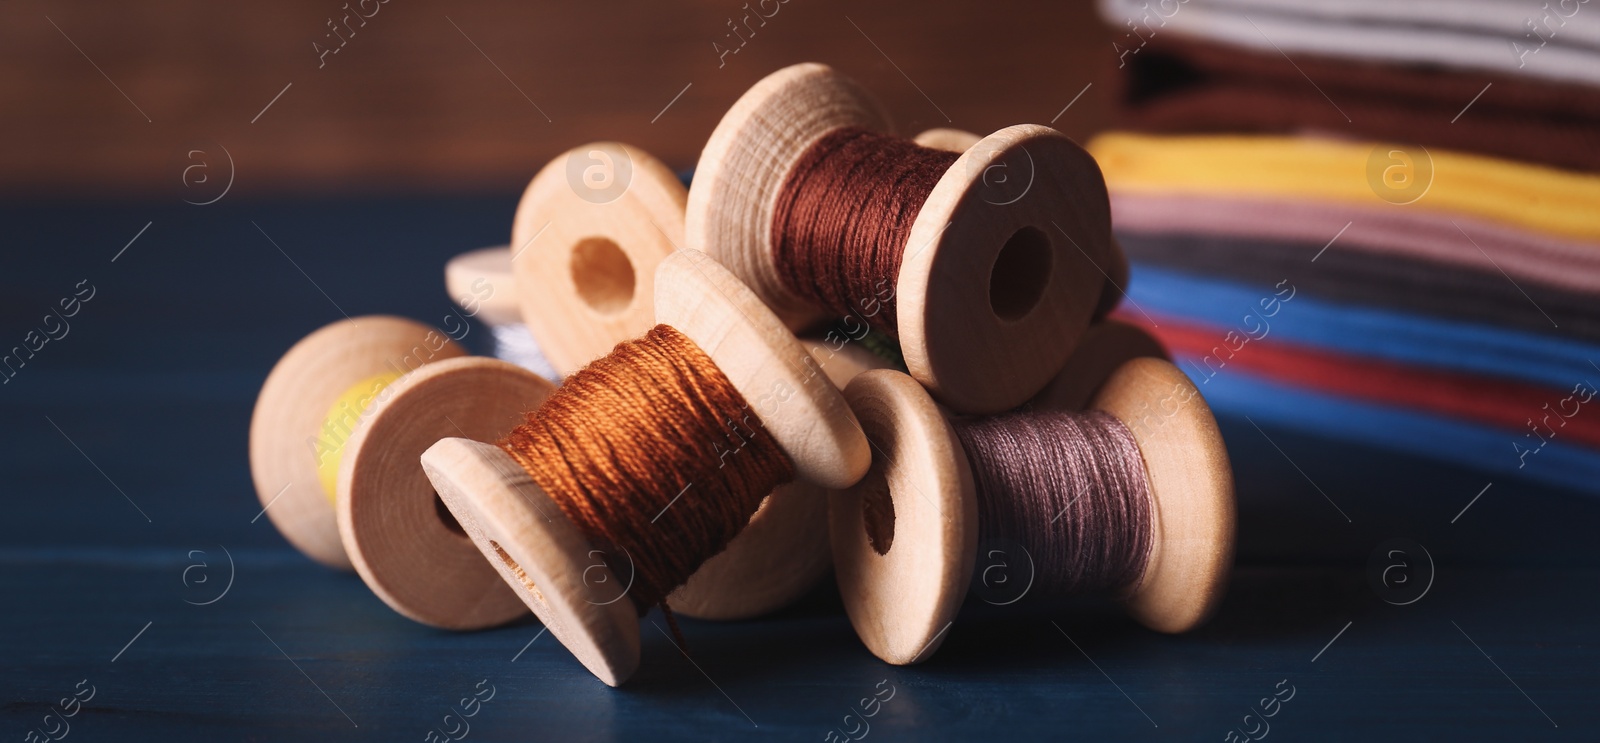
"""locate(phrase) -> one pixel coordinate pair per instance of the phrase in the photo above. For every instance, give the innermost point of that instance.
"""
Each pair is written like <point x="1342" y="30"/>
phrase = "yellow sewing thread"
<point x="340" y="424"/>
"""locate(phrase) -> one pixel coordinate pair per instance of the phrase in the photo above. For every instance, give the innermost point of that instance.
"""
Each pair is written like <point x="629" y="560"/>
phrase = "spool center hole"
<point x="1020" y="274"/>
<point x="602" y="274"/>
<point x="877" y="510"/>
<point x="446" y="517"/>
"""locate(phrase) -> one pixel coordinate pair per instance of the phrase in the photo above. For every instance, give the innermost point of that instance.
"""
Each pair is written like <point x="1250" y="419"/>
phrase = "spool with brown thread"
<point x="966" y="259"/>
<point x="1116" y="267"/>
<point x="1152" y="523"/>
<point x="628" y="436"/>
<point x="691" y="425"/>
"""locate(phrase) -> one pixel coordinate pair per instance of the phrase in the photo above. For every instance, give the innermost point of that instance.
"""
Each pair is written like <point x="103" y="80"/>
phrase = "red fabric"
<point x="1475" y="398"/>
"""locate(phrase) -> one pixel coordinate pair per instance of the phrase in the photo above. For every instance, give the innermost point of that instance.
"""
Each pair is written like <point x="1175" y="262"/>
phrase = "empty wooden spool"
<point x="924" y="508"/>
<point x="590" y="230"/>
<point x="549" y="561"/>
<point x="992" y="264"/>
<point x="481" y="282"/>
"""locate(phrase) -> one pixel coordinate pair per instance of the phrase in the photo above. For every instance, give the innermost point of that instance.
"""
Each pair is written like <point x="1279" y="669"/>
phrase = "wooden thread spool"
<point x="287" y="437"/>
<point x="986" y="271"/>
<point x="481" y="283"/>
<point x="1115" y="269"/>
<point x="548" y="560"/>
<point x="1104" y="347"/>
<point x="783" y="552"/>
<point x="399" y="535"/>
<point x="590" y="230"/>
<point x="924" y="507"/>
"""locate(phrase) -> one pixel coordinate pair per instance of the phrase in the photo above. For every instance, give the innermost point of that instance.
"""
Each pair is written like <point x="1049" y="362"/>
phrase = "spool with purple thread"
<point x="1131" y="498"/>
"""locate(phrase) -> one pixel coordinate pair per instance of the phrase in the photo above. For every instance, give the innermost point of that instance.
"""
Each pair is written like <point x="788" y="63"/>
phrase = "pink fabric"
<point x="1392" y="230"/>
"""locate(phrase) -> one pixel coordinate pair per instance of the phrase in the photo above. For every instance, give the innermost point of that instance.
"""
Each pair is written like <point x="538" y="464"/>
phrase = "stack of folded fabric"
<point x="1371" y="220"/>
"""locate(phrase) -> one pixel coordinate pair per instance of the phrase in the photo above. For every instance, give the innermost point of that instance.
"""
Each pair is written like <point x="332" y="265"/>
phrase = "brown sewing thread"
<point x="655" y="456"/>
<point x="843" y="216"/>
<point x="1070" y="488"/>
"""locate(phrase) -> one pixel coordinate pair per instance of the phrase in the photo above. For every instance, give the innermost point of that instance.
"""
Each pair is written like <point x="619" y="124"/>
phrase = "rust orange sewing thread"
<point x="655" y="456"/>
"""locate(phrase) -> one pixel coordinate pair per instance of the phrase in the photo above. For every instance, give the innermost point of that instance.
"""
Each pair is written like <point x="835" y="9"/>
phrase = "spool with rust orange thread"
<point x="555" y="542"/>
<point x="589" y="233"/>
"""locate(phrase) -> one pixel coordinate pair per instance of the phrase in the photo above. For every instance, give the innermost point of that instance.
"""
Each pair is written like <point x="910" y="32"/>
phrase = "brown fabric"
<point x="1177" y="84"/>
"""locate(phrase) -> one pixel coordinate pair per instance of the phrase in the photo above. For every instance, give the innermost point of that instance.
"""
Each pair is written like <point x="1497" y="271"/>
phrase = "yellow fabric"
<point x="1533" y="197"/>
<point x="340" y="423"/>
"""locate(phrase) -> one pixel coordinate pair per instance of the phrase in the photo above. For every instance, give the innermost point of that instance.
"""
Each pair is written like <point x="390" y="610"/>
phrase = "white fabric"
<point x="1507" y="18"/>
<point x="1468" y="35"/>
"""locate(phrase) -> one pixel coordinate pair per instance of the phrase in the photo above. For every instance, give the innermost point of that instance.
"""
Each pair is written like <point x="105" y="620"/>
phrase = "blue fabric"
<point x="1365" y="331"/>
<point x="1489" y="450"/>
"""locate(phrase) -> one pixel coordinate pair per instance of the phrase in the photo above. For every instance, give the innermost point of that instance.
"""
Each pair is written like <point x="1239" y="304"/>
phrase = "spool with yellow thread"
<point x="288" y="448"/>
<point x="400" y="537"/>
<point x="340" y="423"/>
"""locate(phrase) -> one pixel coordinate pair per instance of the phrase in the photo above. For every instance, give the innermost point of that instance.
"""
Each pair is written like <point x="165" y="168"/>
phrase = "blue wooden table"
<point x="148" y="600"/>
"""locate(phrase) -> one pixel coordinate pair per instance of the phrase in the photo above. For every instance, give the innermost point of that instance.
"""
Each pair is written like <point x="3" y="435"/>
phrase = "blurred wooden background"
<point x="408" y="103"/>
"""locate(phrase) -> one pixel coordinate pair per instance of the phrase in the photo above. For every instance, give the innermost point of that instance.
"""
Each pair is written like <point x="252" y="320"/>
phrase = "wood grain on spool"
<point x="1191" y="491"/>
<point x="906" y="537"/>
<point x="538" y="552"/>
<point x="974" y="343"/>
